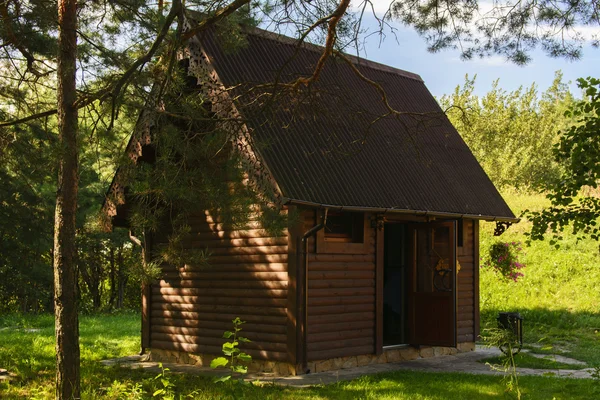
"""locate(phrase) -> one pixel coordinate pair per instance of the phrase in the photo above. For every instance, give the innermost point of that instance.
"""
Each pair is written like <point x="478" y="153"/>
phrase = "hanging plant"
<point x="503" y="258"/>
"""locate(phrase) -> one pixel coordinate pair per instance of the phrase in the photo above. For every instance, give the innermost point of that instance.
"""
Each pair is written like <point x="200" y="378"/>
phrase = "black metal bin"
<point x="512" y="321"/>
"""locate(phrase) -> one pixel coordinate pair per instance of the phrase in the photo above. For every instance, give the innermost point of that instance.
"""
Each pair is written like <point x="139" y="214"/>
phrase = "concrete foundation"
<point x="278" y="368"/>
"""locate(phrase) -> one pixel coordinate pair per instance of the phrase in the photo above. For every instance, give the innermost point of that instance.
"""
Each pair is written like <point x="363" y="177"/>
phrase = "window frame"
<point x="325" y="246"/>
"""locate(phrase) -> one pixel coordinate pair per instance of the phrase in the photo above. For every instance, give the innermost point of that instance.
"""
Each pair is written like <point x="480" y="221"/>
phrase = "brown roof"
<point x="332" y="143"/>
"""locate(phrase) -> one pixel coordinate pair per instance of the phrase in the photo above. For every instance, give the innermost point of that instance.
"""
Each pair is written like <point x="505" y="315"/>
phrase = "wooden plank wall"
<point x="192" y="306"/>
<point x="341" y="300"/>
<point x="465" y="323"/>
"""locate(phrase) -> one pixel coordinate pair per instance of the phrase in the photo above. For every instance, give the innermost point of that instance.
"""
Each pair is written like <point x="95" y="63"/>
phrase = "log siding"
<point x="247" y="277"/>
<point x="341" y="299"/>
<point x="466" y="285"/>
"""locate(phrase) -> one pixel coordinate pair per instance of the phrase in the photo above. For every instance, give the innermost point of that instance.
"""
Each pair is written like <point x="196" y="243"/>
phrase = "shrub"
<point x="503" y="258"/>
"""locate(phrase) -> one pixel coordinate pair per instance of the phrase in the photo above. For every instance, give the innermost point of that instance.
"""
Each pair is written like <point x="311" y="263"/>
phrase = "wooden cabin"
<point x="382" y="263"/>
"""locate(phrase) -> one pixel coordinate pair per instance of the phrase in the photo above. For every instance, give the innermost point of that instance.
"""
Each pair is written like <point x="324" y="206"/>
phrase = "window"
<point x="344" y="227"/>
<point x="344" y="233"/>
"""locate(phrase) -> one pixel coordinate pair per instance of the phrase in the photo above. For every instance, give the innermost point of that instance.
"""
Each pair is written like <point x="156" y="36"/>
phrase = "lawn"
<point x="26" y="348"/>
<point x="558" y="298"/>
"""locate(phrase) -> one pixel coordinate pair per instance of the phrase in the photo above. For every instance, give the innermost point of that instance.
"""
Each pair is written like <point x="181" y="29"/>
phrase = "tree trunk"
<point x="65" y="300"/>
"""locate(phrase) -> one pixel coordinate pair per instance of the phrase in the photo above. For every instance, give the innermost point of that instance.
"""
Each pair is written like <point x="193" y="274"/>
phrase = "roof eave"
<point x="441" y="214"/>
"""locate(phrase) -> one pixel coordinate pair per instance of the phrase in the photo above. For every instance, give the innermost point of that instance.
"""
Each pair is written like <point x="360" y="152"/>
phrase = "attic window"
<point x="344" y="227"/>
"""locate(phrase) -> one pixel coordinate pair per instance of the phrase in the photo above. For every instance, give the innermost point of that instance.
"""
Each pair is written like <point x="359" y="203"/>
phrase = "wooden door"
<point x="432" y="288"/>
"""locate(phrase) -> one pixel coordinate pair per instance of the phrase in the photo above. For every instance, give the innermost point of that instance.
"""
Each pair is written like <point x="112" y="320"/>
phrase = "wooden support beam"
<point x="294" y="264"/>
<point x="379" y="270"/>
<point x="476" y="325"/>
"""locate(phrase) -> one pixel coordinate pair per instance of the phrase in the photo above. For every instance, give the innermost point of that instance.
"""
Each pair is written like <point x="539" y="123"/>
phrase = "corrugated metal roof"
<point x="328" y="143"/>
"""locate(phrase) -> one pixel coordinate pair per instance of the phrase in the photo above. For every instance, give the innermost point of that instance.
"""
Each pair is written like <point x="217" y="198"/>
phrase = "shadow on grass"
<point x="401" y="385"/>
<point x="563" y="332"/>
<point x="31" y="354"/>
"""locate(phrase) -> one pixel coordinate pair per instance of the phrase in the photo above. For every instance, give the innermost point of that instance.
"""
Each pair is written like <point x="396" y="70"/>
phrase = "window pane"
<point x="344" y="227"/>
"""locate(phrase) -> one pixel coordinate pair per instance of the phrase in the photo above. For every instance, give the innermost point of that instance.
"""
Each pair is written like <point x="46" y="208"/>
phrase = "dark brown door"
<point x="432" y="287"/>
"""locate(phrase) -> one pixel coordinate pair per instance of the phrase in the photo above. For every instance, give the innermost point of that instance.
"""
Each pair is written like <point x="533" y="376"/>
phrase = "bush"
<point x="503" y="258"/>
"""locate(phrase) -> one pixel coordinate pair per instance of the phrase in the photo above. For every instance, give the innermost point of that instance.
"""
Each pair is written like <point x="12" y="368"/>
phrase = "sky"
<point x="443" y="71"/>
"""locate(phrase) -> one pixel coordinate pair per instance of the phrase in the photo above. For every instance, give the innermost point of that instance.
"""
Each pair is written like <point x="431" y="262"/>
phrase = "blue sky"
<point x="443" y="71"/>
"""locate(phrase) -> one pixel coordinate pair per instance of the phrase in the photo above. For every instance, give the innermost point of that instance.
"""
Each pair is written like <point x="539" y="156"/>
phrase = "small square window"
<point x="344" y="227"/>
<point x="344" y="233"/>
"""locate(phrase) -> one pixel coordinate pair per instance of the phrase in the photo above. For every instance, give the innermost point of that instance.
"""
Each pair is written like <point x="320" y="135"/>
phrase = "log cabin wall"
<point x="467" y="319"/>
<point x="191" y="306"/>
<point x="341" y="298"/>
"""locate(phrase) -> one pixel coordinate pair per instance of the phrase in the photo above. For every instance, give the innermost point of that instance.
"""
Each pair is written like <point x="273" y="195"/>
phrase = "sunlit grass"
<point x="30" y="354"/>
<point x="27" y="349"/>
<point x="558" y="296"/>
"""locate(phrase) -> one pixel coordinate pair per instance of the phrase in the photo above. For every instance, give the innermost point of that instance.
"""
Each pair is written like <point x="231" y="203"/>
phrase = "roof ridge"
<point x="278" y="37"/>
<point x="364" y="62"/>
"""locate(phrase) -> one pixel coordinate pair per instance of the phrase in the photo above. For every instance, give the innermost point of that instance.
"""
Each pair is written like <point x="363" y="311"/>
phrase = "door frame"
<point x="379" y="271"/>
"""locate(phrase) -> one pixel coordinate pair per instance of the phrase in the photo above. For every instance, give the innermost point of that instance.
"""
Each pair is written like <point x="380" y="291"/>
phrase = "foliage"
<point x="26" y="192"/>
<point x="189" y="169"/>
<point x="233" y="354"/>
<point x="120" y="390"/>
<point x="503" y="258"/>
<point x="513" y="30"/>
<point x="506" y="341"/>
<point x="166" y="389"/>
<point x="558" y="297"/>
<point x="28" y="174"/>
<point x="511" y="133"/>
<point x="108" y="265"/>
<point x="575" y="204"/>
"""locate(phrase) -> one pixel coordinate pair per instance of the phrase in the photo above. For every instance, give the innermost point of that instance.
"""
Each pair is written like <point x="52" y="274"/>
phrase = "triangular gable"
<point x="230" y="120"/>
<point x="345" y="152"/>
<point x="416" y="164"/>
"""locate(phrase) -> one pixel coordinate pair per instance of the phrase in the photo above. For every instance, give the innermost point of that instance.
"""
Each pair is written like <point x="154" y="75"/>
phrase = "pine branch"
<point x="334" y="19"/>
<point x="12" y="39"/>
<point x="217" y="17"/>
<point x="29" y="118"/>
<point x="115" y="90"/>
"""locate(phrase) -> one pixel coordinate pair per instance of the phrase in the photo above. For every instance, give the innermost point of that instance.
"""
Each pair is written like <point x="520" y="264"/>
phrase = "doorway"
<point x="395" y="284"/>
<point x="419" y="284"/>
<point x="432" y="289"/>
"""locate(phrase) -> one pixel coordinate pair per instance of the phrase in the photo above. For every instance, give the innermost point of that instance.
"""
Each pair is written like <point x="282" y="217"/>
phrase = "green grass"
<point x="558" y="296"/>
<point x="27" y="349"/>
<point x="30" y="354"/>
<point x="524" y="360"/>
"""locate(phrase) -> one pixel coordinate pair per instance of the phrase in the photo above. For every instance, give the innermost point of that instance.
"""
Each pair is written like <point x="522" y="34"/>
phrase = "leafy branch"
<point x="578" y="151"/>
<point x="233" y="355"/>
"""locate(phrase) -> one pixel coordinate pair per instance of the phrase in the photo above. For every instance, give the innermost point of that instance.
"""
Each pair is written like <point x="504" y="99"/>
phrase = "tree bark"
<point x="65" y="293"/>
